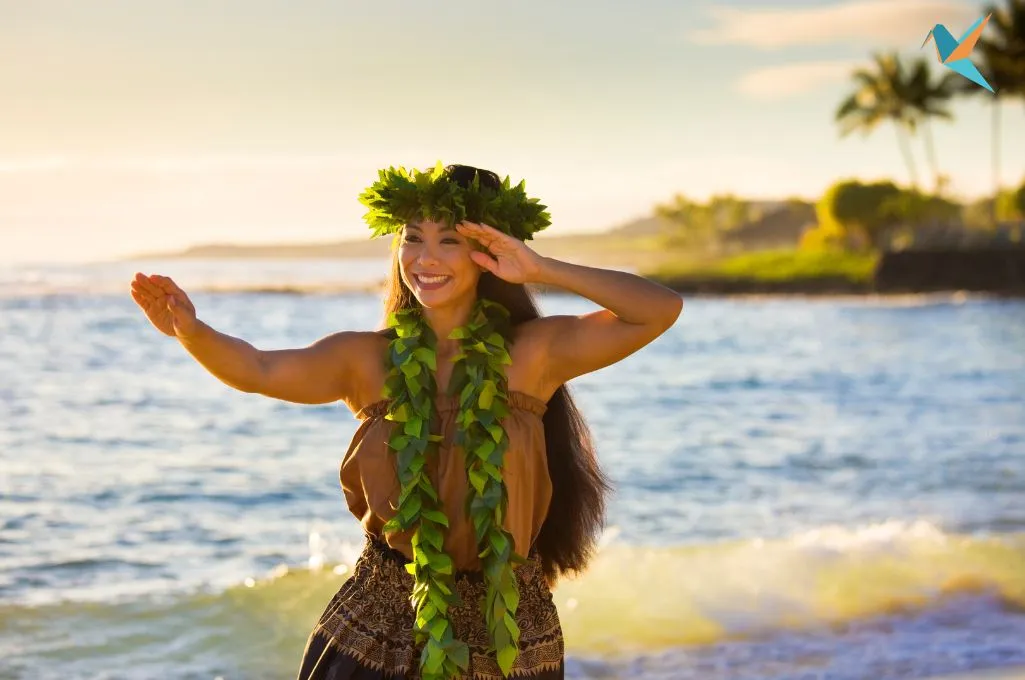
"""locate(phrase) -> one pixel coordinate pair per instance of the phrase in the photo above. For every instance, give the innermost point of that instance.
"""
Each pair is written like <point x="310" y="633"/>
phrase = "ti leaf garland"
<point x="411" y="387"/>
<point x="478" y="378"/>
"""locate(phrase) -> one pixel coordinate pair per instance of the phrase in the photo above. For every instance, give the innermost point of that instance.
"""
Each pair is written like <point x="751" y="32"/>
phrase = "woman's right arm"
<point x="324" y="372"/>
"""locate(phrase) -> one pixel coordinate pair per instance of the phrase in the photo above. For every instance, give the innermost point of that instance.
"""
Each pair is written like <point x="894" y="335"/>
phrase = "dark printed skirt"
<point x="366" y="632"/>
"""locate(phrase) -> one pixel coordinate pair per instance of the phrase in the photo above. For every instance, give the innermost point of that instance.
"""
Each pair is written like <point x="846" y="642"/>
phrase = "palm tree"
<point x="882" y="93"/>
<point x="929" y="98"/>
<point x="1001" y="57"/>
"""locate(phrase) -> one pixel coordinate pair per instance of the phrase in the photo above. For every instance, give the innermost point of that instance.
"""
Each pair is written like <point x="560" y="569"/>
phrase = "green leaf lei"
<point x="478" y="378"/>
<point x="401" y="196"/>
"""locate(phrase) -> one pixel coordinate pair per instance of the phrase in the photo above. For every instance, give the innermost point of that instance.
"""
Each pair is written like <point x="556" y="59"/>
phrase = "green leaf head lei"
<point x="400" y="197"/>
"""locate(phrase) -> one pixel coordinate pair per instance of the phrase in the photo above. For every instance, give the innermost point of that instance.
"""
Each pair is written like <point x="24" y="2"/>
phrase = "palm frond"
<point x="847" y="107"/>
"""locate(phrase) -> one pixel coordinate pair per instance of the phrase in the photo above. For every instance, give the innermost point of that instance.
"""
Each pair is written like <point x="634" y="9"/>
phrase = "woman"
<point x="472" y="472"/>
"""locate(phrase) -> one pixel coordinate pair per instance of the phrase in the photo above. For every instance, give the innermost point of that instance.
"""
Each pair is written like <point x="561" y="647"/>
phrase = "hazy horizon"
<point x="153" y="128"/>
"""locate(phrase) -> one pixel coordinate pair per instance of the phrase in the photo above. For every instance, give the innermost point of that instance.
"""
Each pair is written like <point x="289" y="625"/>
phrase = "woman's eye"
<point x="416" y="239"/>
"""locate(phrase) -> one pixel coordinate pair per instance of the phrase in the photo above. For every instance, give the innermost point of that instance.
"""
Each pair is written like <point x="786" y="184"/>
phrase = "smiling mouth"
<point x="431" y="280"/>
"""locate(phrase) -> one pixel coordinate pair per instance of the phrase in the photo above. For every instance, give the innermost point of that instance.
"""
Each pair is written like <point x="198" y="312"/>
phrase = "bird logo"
<point x="954" y="53"/>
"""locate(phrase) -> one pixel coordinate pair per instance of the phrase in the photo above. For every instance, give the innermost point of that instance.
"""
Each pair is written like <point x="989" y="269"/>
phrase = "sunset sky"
<point x="130" y="126"/>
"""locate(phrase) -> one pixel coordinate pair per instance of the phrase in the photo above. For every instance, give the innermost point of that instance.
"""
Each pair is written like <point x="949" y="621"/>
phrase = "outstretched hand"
<point x="166" y="305"/>
<point x="508" y="258"/>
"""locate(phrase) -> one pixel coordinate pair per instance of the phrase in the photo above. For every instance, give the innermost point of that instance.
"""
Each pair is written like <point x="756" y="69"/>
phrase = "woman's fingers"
<point x="156" y="284"/>
<point x="484" y="260"/>
<point x="167" y="285"/>
<point x="146" y="284"/>
<point x="488" y="236"/>
<point x="474" y="231"/>
<point x="159" y="287"/>
<point x="483" y="230"/>
<point x="143" y="294"/>
<point x="149" y="303"/>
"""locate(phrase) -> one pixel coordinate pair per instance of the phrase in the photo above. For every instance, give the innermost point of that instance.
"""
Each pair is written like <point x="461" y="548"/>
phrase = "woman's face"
<point x="435" y="264"/>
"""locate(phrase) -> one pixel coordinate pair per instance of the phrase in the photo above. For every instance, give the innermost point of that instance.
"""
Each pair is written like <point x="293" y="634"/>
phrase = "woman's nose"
<point x="428" y="254"/>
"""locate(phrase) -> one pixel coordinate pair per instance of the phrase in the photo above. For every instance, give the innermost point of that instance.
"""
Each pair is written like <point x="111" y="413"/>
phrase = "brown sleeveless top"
<point x="371" y="485"/>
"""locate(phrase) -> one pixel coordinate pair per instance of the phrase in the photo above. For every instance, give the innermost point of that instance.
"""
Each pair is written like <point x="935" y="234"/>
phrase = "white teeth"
<point x="431" y="279"/>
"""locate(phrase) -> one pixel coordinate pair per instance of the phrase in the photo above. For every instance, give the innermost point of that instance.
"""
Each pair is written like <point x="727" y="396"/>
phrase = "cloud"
<point x="862" y="22"/>
<point x="778" y="82"/>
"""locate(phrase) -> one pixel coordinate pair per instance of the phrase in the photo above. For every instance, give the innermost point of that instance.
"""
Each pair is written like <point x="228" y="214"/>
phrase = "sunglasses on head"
<point x="463" y="176"/>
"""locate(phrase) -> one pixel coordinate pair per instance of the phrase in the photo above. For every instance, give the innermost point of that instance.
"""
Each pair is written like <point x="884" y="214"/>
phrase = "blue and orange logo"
<point x="954" y="53"/>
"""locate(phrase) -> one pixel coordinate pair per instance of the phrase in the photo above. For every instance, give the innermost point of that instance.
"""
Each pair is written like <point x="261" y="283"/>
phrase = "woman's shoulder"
<point x="537" y="334"/>
<point x="362" y="343"/>
<point x="363" y="352"/>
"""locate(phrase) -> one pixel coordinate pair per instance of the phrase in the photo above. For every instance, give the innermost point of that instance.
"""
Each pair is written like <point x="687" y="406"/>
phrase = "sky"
<point x="130" y="127"/>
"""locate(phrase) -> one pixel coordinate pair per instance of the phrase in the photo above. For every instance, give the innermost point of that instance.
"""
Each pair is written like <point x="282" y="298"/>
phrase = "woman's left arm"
<point x="636" y="311"/>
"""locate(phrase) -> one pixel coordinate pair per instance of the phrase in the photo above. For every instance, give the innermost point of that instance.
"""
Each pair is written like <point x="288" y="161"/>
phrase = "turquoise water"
<point x="804" y="488"/>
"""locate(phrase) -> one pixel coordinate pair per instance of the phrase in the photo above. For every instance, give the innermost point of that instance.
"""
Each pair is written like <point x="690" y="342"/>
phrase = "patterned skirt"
<point x="366" y="632"/>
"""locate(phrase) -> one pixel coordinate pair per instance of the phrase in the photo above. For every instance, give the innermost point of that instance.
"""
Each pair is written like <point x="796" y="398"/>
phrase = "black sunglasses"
<point x="463" y="176"/>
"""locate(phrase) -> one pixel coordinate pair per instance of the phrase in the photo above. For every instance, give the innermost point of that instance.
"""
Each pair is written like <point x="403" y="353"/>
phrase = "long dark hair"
<point x="576" y="516"/>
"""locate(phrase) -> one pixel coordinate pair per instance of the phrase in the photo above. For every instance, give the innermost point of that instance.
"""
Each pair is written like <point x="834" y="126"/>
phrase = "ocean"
<point x="805" y="488"/>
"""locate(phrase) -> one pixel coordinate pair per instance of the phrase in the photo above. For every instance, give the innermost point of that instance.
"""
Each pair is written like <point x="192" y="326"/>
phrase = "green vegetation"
<point x="859" y="216"/>
<point x="778" y="265"/>
<point x="706" y="222"/>
<point x="854" y="214"/>
<point x="1017" y="203"/>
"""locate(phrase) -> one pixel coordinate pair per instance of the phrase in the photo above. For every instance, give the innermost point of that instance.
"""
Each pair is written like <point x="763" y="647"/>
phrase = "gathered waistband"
<point x="381" y="547"/>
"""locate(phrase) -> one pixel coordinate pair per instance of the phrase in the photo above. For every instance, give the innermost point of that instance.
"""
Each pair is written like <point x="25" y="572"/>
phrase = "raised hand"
<point x="507" y="258"/>
<point x="166" y="305"/>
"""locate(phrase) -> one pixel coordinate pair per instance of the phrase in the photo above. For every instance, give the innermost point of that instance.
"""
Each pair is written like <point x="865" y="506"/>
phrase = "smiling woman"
<point x="499" y="489"/>
<point x="472" y="471"/>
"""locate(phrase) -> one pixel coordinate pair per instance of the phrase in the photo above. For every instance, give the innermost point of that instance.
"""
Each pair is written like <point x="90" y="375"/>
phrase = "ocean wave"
<point x="649" y="597"/>
<point x="752" y="603"/>
<point x="646" y="598"/>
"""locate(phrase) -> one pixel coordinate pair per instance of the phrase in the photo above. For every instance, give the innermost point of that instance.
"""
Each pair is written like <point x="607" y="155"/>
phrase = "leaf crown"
<point x="445" y="194"/>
